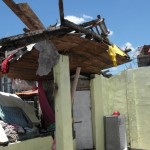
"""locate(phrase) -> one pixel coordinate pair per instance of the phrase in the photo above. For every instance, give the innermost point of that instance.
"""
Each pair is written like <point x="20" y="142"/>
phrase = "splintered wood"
<point x="25" y="13"/>
<point x="86" y="46"/>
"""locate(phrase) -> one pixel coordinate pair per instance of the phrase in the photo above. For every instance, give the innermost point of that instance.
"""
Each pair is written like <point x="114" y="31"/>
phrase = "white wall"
<point x="83" y="120"/>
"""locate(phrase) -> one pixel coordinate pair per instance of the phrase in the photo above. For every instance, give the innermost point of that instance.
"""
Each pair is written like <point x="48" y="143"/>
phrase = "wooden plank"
<point x="89" y="23"/>
<point x="26" y="74"/>
<point x="22" y="40"/>
<point x="61" y="11"/>
<point x="27" y="65"/>
<point x="89" y="56"/>
<point x="83" y="30"/>
<point x="31" y="17"/>
<point x="64" y="138"/>
<point x="25" y="13"/>
<point x="74" y="85"/>
<point x="86" y="66"/>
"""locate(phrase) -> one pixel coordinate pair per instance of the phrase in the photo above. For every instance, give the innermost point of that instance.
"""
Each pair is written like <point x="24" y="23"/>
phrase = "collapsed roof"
<point x="86" y="44"/>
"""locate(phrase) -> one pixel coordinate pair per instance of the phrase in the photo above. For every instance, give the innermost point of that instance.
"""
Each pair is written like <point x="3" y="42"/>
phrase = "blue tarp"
<point x="14" y="115"/>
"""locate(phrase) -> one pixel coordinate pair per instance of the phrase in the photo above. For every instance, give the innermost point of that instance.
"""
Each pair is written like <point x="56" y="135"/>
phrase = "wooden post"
<point x="75" y="82"/>
<point x="61" y="11"/>
<point x="73" y="90"/>
<point x="64" y="139"/>
<point x="97" y="112"/>
<point x="26" y="14"/>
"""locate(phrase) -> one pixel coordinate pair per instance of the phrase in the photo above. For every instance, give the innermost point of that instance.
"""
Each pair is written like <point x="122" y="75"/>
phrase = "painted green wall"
<point x="41" y="143"/>
<point x="128" y="93"/>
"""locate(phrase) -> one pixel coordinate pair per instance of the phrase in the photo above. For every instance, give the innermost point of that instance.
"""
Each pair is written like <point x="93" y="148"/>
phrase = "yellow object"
<point x="113" y="50"/>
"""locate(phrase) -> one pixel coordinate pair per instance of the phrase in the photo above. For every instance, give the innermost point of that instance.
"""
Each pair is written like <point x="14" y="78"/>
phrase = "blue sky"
<point x="128" y="20"/>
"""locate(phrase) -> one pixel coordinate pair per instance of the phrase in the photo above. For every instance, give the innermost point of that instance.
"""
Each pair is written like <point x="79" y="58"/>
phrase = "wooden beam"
<point x="25" y="13"/>
<point x="83" y="30"/>
<point x="89" y="23"/>
<point x="75" y="82"/>
<point x="22" y="40"/>
<point x="64" y="139"/>
<point x="61" y="11"/>
<point x="31" y="17"/>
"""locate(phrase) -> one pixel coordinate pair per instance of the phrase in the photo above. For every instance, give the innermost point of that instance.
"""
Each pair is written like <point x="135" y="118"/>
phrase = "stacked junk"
<point x="18" y="120"/>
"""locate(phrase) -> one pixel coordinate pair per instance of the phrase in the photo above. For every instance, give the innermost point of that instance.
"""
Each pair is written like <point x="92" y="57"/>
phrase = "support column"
<point x="132" y="110"/>
<point x="64" y="140"/>
<point x="97" y="112"/>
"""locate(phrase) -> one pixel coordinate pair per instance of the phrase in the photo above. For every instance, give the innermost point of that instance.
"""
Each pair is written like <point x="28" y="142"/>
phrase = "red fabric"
<point x="48" y="113"/>
<point x="5" y="64"/>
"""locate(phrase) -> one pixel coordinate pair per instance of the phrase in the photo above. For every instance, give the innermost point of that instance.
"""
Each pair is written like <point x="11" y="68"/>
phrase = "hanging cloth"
<point x="5" y="64"/>
<point x="112" y="54"/>
<point x="47" y="112"/>
<point x="112" y="51"/>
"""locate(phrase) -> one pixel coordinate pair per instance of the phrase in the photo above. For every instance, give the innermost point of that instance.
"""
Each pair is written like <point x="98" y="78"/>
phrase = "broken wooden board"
<point x="25" y="13"/>
<point x="61" y="11"/>
<point x="83" y="30"/>
<point x="22" y="40"/>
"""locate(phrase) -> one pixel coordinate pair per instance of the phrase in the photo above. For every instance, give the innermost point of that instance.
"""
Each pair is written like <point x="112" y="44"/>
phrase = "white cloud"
<point x="111" y="32"/>
<point x="87" y="17"/>
<point x="74" y="19"/>
<point x="78" y="20"/>
<point x="129" y="45"/>
<point x="7" y="34"/>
